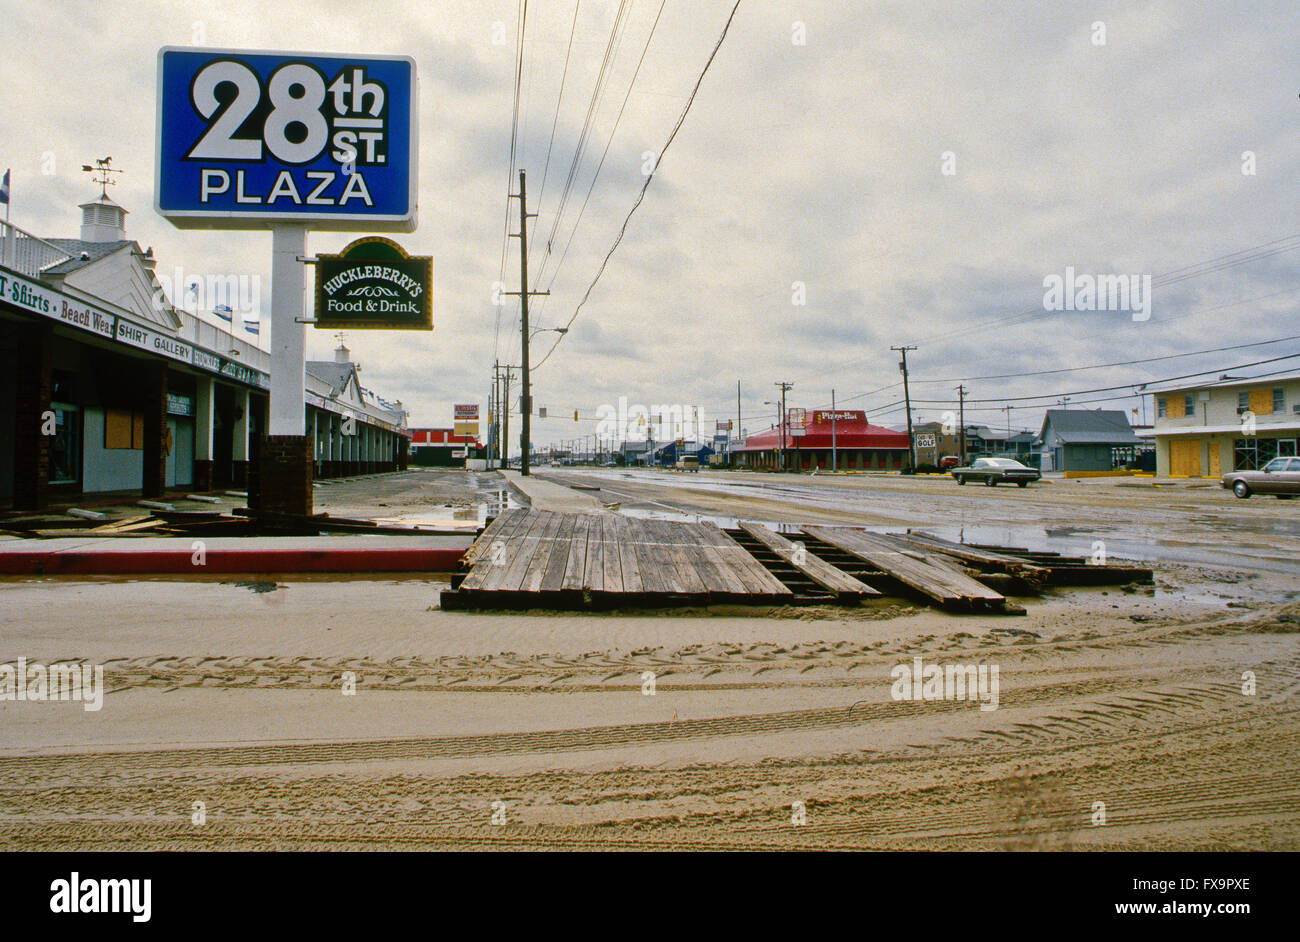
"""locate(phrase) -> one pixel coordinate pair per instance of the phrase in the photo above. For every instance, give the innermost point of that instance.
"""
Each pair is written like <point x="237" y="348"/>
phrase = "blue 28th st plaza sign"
<point x="247" y="139"/>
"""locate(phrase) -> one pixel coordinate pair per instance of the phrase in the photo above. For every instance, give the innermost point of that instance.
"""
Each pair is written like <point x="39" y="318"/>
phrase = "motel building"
<point x="858" y="445"/>
<point x="1235" y="424"/>
<point x="108" y="388"/>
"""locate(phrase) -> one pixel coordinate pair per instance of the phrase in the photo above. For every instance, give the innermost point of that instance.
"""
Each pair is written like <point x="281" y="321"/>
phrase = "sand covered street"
<point x="1122" y="719"/>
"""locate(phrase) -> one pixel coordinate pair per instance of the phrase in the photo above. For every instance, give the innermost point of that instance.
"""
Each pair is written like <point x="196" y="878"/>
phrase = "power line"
<point x="555" y="119"/>
<point x="646" y="185"/>
<point x="596" y="176"/>
<point x="520" y="30"/>
<point x="602" y="79"/>
<point x="1231" y="259"/>
<point x="1081" y="392"/>
<point x="1098" y="366"/>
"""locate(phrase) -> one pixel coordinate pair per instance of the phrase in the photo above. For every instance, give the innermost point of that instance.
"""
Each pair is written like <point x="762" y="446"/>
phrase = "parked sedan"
<point x="993" y="471"/>
<point x="1281" y="476"/>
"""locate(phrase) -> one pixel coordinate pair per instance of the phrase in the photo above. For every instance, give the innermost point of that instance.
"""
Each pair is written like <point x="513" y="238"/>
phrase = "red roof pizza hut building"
<point x="858" y="445"/>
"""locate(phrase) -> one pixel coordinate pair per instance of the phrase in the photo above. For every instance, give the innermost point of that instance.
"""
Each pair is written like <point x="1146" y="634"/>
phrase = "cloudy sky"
<point x="913" y="170"/>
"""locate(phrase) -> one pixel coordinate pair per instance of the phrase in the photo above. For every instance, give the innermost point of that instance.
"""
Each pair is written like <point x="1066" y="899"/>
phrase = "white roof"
<point x="1290" y="424"/>
<point x="1224" y="384"/>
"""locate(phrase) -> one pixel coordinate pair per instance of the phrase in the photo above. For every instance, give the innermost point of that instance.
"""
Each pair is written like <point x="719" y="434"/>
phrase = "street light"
<point x="780" y="426"/>
<point x="544" y="330"/>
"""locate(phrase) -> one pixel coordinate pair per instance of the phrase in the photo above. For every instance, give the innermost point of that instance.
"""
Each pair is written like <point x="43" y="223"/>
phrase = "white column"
<point x="243" y="402"/>
<point x="288" y="338"/>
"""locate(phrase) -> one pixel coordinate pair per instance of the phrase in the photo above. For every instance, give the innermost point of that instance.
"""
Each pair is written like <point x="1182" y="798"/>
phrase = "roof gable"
<point x="1088" y="426"/>
<point x="114" y="272"/>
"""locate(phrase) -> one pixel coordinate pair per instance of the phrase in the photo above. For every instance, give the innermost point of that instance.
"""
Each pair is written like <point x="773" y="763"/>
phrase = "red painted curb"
<point x="158" y="562"/>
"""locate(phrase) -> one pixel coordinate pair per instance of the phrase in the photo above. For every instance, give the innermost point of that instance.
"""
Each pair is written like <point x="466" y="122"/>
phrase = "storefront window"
<point x="65" y="447"/>
<point x="1251" y="454"/>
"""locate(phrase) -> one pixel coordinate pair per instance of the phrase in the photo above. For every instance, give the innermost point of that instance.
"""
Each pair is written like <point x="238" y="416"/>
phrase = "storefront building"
<point x="107" y="388"/>
<point x="1232" y="425"/>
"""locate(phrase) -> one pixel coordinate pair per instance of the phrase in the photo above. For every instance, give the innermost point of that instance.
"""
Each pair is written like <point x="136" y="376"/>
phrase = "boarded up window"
<point x="1261" y="401"/>
<point x="1176" y="407"/>
<point x="123" y="429"/>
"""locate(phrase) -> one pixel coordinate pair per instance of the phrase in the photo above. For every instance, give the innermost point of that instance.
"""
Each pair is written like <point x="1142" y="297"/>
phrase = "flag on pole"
<point x="4" y="189"/>
<point x="224" y="312"/>
<point x="251" y="327"/>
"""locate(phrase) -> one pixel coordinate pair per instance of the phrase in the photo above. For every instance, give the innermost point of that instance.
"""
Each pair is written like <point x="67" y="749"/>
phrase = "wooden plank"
<point x="575" y="566"/>
<point x="546" y="547"/>
<point x="752" y="577"/>
<point x="654" y="578"/>
<point x="506" y="573"/>
<point x="593" y="577"/>
<point x="811" y="565"/>
<point x="627" y="556"/>
<point x="499" y="528"/>
<point x="119" y="524"/>
<point x="719" y="579"/>
<point x="553" y="577"/>
<point x="492" y="560"/>
<point x="658" y="560"/>
<point x="677" y="540"/>
<point x="612" y="553"/>
<point x="737" y="566"/>
<point x="938" y="582"/>
<point x="527" y="547"/>
<point x="1000" y="562"/>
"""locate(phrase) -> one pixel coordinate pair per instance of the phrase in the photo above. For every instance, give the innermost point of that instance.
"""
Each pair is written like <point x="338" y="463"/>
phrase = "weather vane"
<point x="101" y="173"/>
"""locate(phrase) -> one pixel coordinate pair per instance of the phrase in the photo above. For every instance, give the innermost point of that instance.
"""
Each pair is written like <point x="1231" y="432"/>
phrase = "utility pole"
<point x="731" y="439"/>
<point x="907" y="403"/>
<point x="961" y="394"/>
<point x="784" y="388"/>
<point x="525" y="395"/>
<point x="505" y="420"/>
<point x="1007" y="410"/>
<point x="492" y="418"/>
<point x="834" y="461"/>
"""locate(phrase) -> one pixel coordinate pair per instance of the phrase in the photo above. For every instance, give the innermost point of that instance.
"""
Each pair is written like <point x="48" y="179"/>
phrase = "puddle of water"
<point x="452" y="516"/>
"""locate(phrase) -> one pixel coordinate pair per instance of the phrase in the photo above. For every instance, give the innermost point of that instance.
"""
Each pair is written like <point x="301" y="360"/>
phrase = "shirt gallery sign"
<point x="137" y="336"/>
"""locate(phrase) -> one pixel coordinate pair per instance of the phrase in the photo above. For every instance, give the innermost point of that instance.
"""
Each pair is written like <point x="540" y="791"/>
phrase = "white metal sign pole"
<point x="288" y="335"/>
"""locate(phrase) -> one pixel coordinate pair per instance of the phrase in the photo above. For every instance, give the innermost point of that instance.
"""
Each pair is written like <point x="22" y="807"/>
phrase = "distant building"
<point x="1087" y="440"/>
<point x="933" y="443"/>
<point x="442" y="448"/>
<point x="1234" y="424"/>
<point x="858" y="445"/>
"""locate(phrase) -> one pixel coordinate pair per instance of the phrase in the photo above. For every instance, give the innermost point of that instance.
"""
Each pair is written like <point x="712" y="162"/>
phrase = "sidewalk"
<point x="257" y="554"/>
<point x="546" y="495"/>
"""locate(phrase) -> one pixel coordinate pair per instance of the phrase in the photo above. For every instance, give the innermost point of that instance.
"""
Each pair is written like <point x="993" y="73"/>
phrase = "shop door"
<point x="1215" y="460"/>
<point x="1185" y="457"/>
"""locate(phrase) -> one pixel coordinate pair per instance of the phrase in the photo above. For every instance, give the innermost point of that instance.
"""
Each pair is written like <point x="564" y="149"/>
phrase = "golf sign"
<point x="248" y="139"/>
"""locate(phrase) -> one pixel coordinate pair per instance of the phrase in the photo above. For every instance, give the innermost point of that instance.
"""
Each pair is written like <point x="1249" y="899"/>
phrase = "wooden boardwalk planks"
<point x="984" y="558"/>
<point x="529" y="557"/>
<point x="945" y="585"/>
<point x="814" y="567"/>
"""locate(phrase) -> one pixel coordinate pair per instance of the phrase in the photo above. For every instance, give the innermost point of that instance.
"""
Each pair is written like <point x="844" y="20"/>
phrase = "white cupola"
<point x="102" y="220"/>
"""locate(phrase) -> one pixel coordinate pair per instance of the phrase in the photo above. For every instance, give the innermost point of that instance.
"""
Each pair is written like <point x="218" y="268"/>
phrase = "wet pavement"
<point x="1197" y="523"/>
